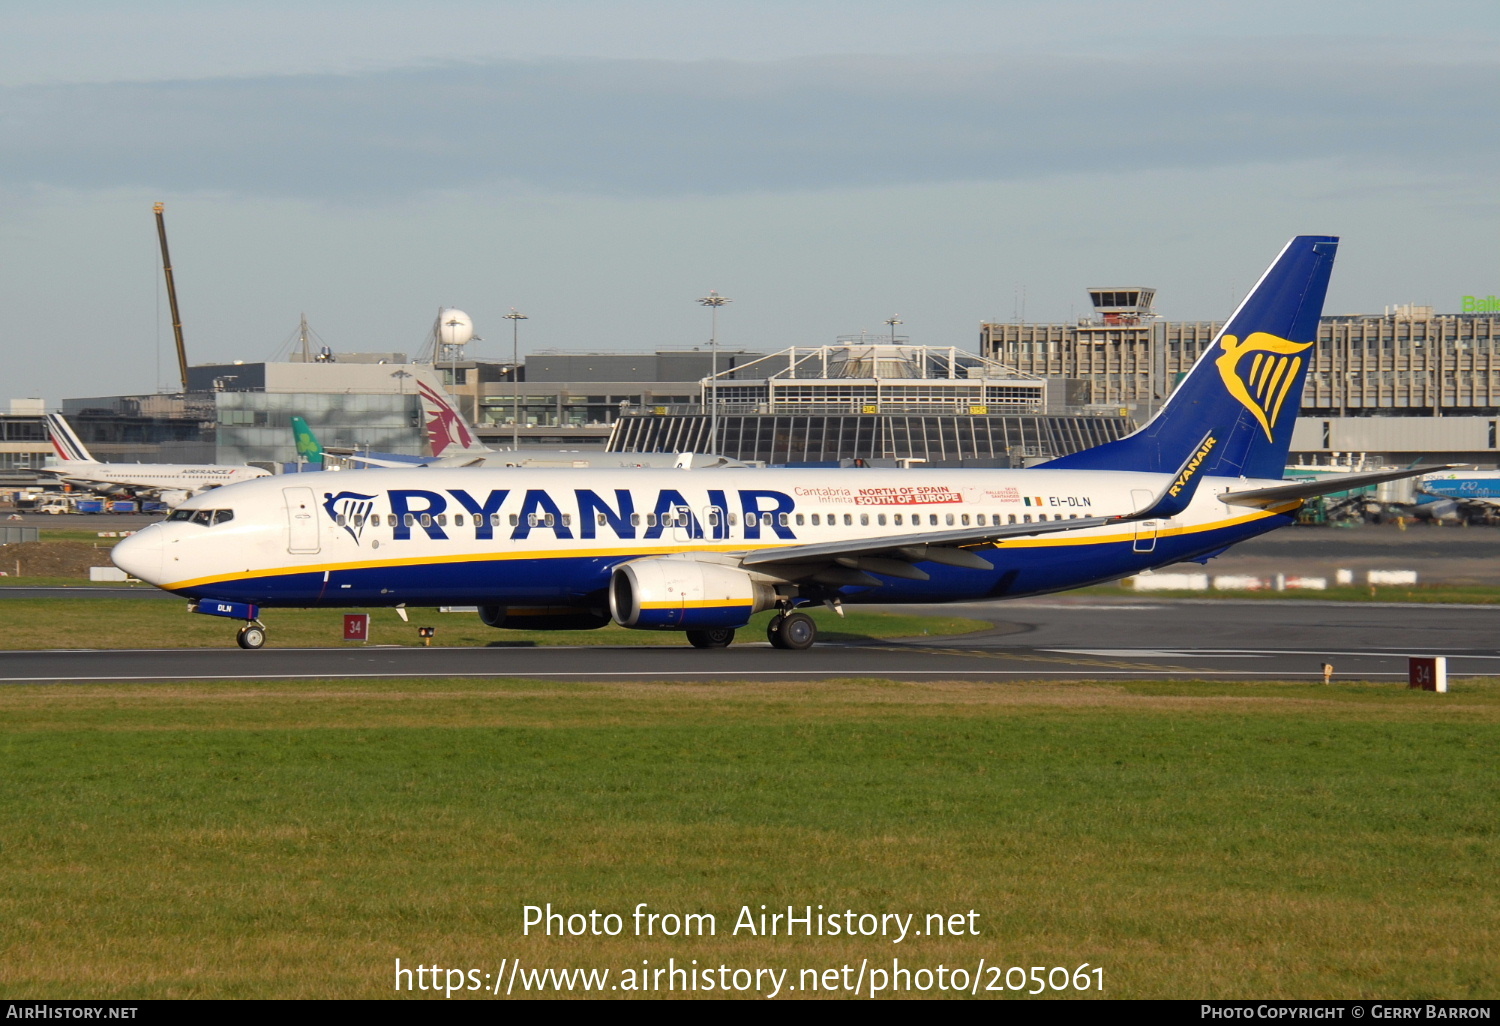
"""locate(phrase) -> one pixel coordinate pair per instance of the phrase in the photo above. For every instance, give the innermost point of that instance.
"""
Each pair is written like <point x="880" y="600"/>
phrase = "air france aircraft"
<point x="174" y="482"/>
<point x="701" y="551"/>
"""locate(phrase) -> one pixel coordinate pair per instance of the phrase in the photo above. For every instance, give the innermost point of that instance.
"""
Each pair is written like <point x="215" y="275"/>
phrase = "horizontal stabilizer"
<point x="1295" y="490"/>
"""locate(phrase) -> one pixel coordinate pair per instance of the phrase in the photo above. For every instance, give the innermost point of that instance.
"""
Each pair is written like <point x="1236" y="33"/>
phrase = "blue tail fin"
<point x="1247" y="385"/>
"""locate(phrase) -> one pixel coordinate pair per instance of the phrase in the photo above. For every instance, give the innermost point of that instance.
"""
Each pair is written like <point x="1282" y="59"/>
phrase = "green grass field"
<point x="1448" y="594"/>
<point x="49" y="623"/>
<point x="41" y="581"/>
<point x="1194" y="839"/>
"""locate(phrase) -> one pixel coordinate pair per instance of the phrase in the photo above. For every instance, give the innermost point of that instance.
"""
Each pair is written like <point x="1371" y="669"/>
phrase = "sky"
<point x="826" y="164"/>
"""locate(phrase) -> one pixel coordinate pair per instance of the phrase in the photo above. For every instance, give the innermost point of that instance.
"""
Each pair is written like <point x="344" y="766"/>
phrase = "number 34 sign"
<point x="1429" y="673"/>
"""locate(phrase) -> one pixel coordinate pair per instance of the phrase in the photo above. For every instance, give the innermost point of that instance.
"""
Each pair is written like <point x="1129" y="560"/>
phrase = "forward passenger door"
<point x="301" y="521"/>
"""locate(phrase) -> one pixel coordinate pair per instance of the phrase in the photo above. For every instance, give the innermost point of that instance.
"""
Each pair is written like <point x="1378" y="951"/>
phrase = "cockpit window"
<point x="205" y="517"/>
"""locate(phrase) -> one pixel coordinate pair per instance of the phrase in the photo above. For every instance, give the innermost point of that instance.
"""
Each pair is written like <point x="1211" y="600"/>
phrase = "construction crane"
<point x="166" y="263"/>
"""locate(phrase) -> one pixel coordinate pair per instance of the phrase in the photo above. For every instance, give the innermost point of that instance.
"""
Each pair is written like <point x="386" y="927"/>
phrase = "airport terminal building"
<point x="1408" y="384"/>
<point x="886" y="400"/>
<point x="1404" y="384"/>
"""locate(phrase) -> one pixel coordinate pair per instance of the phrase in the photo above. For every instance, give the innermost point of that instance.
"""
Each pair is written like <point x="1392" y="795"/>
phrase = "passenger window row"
<point x="680" y="519"/>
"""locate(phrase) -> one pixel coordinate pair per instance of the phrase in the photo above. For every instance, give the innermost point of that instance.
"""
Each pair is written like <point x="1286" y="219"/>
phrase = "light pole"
<point x="515" y="377"/>
<point x="893" y="321"/>
<point x="713" y="301"/>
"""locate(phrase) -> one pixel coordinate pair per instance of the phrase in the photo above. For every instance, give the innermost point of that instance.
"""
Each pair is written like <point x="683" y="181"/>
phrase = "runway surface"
<point x="1061" y="639"/>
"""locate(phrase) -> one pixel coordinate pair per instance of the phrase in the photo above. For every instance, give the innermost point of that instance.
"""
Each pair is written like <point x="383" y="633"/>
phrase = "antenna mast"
<point x="302" y="335"/>
<point x="166" y="263"/>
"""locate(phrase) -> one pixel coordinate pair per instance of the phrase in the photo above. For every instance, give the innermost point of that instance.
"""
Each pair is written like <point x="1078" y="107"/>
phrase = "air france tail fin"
<point x="1248" y="382"/>
<point x="447" y="431"/>
<point x="66" y="442"/>
<point x="309" y="448"/>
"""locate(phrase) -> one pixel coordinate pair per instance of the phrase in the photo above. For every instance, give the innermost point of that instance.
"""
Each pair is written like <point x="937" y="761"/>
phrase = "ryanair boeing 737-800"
<point x="701" y="551"/>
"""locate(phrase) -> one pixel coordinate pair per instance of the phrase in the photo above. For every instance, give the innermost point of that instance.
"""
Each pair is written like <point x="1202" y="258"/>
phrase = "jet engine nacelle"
<point x="1438" y="509"/>
<point x="173" y="499"/>
<point x="543" y="618"/>
<point x="666" y="594"/>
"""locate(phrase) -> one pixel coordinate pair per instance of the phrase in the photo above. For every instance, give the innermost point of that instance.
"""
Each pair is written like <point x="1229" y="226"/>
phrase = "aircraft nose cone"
<point x="140" y="556"/>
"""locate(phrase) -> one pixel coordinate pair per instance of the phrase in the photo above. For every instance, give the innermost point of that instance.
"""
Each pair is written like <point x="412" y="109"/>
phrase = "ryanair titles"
<point x="1191" y="470"/>
<point x="589" y="514"/>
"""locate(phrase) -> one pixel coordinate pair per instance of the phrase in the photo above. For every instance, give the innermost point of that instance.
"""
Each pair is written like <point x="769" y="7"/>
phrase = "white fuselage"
<point x="433" y="536"/>
<point x="156" y="477"/>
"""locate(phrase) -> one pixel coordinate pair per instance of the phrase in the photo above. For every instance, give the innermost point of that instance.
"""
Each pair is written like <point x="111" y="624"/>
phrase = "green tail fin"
<point x="308" y="447"/>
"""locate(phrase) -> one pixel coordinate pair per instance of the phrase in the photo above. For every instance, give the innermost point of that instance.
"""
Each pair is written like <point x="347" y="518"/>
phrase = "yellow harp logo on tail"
<point x="1264" y="385"/>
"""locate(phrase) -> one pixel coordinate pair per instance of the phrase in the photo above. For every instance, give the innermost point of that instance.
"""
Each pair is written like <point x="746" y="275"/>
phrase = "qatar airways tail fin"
<point x="1247" y="385"/>
<point x="67" y="443"/>
<point x="448" y="433"/>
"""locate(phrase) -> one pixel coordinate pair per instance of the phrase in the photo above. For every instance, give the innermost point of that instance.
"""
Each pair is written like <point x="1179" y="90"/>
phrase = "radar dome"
<point x="454" y="327"/>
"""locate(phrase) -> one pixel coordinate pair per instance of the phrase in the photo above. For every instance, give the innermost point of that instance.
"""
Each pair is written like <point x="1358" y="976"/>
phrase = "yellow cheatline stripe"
<point x="1045" y="541"/>
<point x="1168" y="532"/>
<point x="695" y="604"/>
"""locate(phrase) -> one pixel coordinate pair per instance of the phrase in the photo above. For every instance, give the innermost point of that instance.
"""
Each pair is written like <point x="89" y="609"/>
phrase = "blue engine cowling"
<point x="677" y="594"/>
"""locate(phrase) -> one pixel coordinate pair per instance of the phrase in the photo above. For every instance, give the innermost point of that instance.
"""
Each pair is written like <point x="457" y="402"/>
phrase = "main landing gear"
<point x="252" y="635"/>
<point x="713" y="637"/>
<point x="794" y="631"/>
<point x="787" y="630"/>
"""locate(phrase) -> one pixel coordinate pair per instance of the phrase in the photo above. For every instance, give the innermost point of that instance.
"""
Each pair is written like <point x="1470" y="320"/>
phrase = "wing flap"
<point x="928" y="547"/>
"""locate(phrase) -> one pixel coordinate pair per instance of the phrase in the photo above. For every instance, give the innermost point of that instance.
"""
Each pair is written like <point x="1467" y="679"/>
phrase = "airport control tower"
<point x="1122" y="305"/>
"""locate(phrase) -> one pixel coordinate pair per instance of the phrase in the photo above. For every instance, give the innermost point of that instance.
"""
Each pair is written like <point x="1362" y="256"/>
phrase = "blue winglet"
<point x="1178" y="494"/>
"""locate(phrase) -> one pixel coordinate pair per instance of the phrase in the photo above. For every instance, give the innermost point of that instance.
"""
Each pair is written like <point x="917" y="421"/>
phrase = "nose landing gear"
<point x="252" y="635"/>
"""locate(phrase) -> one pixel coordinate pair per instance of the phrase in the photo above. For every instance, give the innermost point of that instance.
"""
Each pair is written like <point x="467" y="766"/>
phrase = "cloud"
<point x="659" y="128"/>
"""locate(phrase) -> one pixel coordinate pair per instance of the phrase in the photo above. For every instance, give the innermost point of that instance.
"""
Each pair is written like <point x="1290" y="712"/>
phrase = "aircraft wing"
<point x="844" y="562"/>
<point x="68" y="475"/>
<point x="893" y="554"/>
<point x="1275" y="494"/>
<point x="384" y="461"/>
<point x="408" y="463"/>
